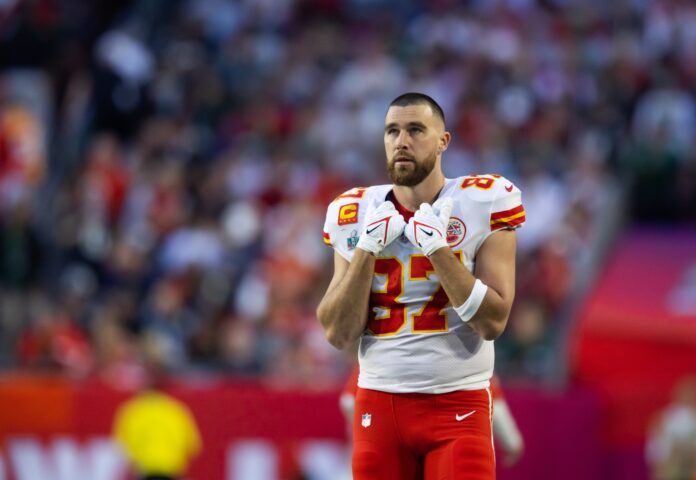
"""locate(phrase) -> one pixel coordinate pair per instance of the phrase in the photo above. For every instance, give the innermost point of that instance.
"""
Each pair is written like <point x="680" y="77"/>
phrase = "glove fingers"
<point x="396" y="227"/>
<point x="400" y="223"/>
<point x="382" y="208"/>
<point x="387" y="205"/>
<point x="425" y="209"/>
<point x="445" y="211"/>
<point x="408" y="230"/>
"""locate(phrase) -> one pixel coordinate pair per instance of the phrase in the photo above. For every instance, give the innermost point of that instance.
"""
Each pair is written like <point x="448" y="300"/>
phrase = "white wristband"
<point x="468" y="309"/>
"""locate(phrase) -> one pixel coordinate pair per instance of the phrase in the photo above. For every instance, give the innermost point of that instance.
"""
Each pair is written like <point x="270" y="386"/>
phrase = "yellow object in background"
<point x="158" y="434"/>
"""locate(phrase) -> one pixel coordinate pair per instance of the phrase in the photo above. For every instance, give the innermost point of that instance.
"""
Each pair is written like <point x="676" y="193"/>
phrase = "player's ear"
<point x="444" y="142"/>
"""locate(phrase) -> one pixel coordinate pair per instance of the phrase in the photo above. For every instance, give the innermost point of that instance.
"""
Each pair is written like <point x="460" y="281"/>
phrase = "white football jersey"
<point x="414" y="340"/>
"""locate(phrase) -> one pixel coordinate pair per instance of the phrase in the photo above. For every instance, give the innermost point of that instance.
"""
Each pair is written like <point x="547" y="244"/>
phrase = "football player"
<point x="424" y="278"/>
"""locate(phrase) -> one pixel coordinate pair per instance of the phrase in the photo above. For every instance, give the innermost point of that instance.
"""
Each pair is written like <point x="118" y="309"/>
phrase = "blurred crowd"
<point x="165" y="199"/>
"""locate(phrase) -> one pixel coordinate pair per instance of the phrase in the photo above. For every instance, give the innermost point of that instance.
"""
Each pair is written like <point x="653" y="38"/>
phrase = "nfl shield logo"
<point x="352" y="241"/>
<point x="366" y="420"/>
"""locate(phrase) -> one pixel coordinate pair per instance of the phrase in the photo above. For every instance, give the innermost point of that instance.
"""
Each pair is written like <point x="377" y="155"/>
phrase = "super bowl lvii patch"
<point x="352" y="241"/>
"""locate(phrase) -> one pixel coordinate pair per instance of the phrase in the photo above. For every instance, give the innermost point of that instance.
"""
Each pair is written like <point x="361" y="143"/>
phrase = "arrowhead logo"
<point x="456" y="231"/>
<point x="508" y="188"/>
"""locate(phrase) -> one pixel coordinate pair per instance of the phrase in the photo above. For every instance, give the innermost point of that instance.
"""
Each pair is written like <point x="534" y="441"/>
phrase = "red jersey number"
<point x="387" y="314"/>
<point x="480" y="182"/>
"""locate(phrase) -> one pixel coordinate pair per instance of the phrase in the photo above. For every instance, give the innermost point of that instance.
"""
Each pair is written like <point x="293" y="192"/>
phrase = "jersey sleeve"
<point x="341" y="226"/>
<point x="507" y="211"/>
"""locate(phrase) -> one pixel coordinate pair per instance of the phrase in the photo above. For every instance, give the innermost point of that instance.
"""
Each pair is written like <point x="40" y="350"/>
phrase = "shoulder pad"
<point x="502" y="199"/>
<point x="345" y="212"/>
<point x="485" y="188"/>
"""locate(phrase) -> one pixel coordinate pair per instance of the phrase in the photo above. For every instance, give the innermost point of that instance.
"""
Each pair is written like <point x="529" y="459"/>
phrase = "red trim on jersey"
<point x="508" y="218"/>
<point x="405" y="212"/>
<point x="508" y="224"/>
<point x="507" y="213"/>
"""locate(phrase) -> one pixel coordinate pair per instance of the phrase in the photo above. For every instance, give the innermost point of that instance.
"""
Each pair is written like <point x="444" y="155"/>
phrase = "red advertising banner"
<point x="54" y="429"/>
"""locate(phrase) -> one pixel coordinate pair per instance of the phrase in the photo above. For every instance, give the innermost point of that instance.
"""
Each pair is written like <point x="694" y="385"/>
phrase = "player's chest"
<point x="465" y="233"/>
<point x="405" y="273"/>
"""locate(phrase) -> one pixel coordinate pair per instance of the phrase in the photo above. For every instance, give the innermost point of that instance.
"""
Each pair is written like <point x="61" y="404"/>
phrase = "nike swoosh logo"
<point x="370" y="230"/>
<point x="430" y="234"/>
<point x="462" y="417"/>
<point x="509" y="188"/>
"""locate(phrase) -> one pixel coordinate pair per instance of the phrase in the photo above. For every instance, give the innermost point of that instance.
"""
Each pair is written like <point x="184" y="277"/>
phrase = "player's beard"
<point x="410" y="177"/>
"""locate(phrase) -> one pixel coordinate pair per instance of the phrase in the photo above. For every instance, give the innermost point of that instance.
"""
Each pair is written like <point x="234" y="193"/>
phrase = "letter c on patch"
<point x="348" y="214"/>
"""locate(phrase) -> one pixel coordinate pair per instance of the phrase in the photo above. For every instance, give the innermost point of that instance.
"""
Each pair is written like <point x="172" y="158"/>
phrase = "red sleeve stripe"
<point x="507" y="213"/>
<point x="508" y="223"/>
<point x="508" y="219"/>
<point x="327" y="238"/>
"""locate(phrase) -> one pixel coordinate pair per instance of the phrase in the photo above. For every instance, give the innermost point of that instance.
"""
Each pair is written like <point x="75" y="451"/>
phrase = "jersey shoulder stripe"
<point x="513" y="217"/>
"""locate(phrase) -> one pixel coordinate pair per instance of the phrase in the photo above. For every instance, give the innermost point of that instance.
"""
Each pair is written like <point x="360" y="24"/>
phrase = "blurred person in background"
<point x="54" y="341"/>
<point x="671" y="443"/>
<point x="157" y="432"/>
<point x="506" y="433"/>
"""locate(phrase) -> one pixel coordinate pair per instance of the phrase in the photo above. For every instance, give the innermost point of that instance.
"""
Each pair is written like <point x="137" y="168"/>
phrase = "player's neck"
<point x="424" y="192"/>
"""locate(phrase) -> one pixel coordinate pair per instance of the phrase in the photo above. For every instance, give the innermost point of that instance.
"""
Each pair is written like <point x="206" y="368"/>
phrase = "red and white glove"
<point x="428" y="230"/>
<point x="383" y="224"/>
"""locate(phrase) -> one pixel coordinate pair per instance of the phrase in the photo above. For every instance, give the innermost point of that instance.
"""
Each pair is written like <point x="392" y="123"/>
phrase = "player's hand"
<point x="513" y="455"/>
<point x="428" y="230"/>
<point x="383" y="224"/>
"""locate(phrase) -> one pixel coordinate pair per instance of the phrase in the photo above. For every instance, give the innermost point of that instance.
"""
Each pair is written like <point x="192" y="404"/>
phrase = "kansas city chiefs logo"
<point x="456" y="231"/>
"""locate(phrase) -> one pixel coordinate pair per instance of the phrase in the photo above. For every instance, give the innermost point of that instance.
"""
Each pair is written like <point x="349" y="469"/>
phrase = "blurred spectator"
<point x="671" y="444"/>
<point x="22" y="156"/>
<point x="118" y="360"/>
<point x="54" y="342"/>
<point x="168" y="321"/>
<point x="20" y="252"/>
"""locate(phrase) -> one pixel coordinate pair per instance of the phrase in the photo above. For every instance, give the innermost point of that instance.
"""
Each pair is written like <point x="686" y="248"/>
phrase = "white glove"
<point x="382" y="225"/>
<point x="427" y="230"/>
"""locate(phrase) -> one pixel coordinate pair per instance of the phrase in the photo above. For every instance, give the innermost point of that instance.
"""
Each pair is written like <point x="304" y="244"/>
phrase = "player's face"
<point x="412" y="140"/>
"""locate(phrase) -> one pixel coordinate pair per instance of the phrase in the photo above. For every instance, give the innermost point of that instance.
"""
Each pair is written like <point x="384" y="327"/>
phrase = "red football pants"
<point x="409" y="436"/>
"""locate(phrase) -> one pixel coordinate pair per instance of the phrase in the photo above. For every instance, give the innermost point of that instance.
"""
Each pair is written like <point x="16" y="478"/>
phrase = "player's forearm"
<point x="505" y="428"/>
<point x="458" y="282"/>
<point x="343" y="310"/>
